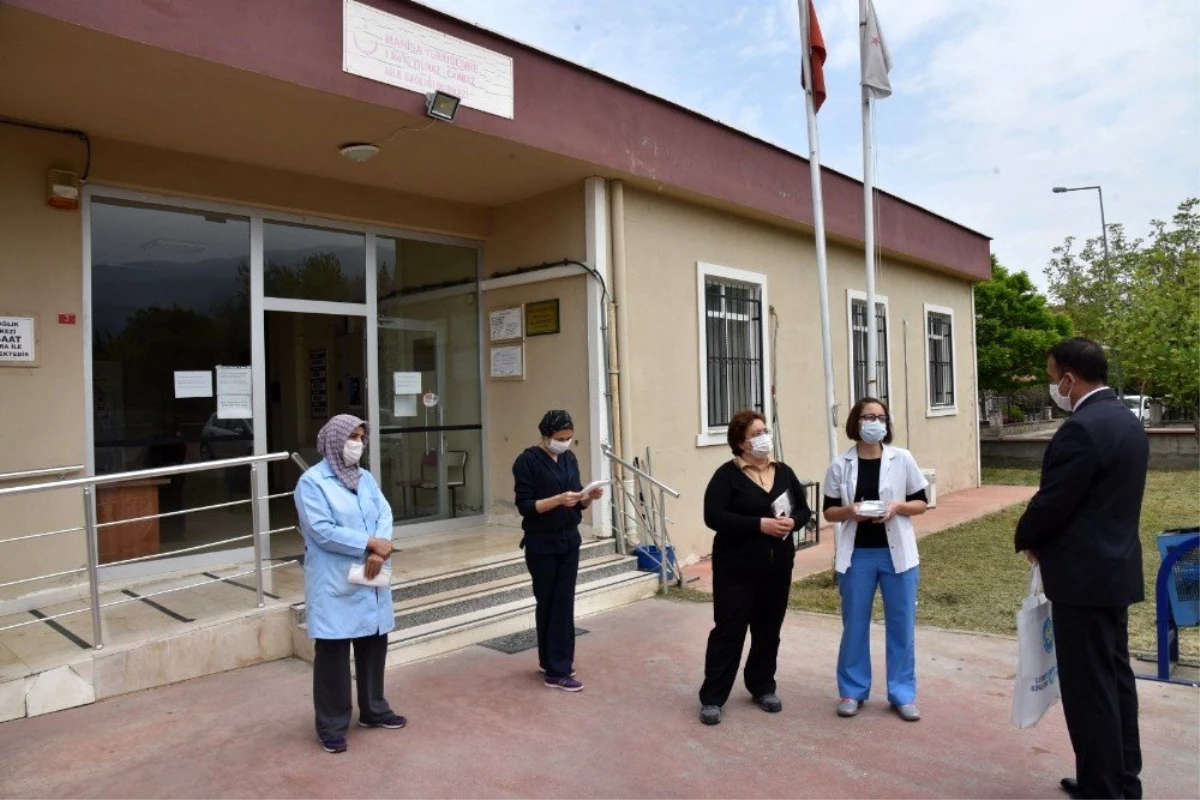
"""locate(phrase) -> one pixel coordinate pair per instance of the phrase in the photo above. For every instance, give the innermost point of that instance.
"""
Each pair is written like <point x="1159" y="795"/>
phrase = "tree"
<point x="1142" y="303"/>
<point x="1160" y="333"/>
<point x="1013" y="329"/>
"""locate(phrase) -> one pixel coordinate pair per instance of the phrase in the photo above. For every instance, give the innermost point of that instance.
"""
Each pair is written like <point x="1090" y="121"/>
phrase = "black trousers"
<point x="554" y="577"/>
<point x="1099" y="698"/>
<point x="331" y="683"/>
<point x="745" y="598"/>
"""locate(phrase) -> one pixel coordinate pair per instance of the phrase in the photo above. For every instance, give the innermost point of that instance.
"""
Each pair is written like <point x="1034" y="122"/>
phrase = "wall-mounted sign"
<point x="541" y="317"/>
<point x="395" y="51"/>
<point x="504" y="324"/>
<point x="17" y="346"/>
<point x="508" y="362"/>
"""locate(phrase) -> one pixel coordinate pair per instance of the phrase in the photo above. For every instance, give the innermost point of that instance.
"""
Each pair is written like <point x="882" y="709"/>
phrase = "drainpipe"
<point x="623" y="418"/>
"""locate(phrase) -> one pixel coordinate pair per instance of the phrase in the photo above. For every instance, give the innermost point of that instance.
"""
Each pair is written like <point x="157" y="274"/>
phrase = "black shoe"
<point x="710" y="715"/>
<point x="1071" y="787"/>
<point x="769" y="702"/>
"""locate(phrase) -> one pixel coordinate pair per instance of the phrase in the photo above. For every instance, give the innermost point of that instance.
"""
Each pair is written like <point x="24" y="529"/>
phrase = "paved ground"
<point x="953" y="509"/>
<point x="481" y="725"/>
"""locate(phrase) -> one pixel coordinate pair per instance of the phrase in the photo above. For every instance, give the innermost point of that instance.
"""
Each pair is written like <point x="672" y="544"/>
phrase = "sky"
<point x="994" y="101"/>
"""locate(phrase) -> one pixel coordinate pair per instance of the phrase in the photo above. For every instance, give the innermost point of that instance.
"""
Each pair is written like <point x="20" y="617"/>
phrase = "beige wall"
<point x="41" y="408"/>
<point x="538" y="230"/>
<point x="664" y="240"/>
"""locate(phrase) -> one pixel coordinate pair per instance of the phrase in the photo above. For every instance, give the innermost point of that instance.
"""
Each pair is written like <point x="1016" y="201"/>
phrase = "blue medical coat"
<point x="336" y="524"/>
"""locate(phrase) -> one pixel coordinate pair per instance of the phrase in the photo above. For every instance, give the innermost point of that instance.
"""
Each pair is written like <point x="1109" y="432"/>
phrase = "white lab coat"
<point x="899" y="476"/>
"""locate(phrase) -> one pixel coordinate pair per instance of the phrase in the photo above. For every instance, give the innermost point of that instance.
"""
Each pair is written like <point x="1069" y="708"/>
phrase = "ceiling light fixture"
<point x="359" y="151"/>
<point x="440" y="105"/>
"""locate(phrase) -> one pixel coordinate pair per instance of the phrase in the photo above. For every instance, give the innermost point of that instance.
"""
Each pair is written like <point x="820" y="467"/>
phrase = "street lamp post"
<point x="1104" y="234"/>
<point x="1100" y="192"/>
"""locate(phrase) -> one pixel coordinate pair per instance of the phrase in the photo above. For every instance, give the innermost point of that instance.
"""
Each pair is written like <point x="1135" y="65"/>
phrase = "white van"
<point x="1139" y="405"/>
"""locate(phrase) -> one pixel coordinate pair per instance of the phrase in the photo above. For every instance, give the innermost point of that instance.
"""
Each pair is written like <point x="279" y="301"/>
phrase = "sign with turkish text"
<point x="17" y="347"/>
<point x="395" y="51"/>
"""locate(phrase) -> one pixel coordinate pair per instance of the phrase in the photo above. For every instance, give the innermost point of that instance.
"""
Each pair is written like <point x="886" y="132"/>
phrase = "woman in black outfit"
<point x="549" y="498"/>
<point x="753" y="503"/>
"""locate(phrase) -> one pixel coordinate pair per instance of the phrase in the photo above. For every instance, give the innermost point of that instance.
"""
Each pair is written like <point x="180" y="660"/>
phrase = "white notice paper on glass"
<point x="234" y="380"/>
<point x="193" y="384"/>
<point x="406" y="382"/>
<point x="404" y="405"/>
<point x="234" y="406"/>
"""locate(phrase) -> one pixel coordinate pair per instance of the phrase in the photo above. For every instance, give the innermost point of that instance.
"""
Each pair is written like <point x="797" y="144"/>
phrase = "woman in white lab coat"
<point x="872" y="491"/>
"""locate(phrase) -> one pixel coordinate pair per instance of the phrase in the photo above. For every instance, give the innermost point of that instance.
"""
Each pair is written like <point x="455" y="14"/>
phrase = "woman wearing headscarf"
<point x="346" y="523"/>
<point x="550" y="499"/>
<point x="753" y="503"/>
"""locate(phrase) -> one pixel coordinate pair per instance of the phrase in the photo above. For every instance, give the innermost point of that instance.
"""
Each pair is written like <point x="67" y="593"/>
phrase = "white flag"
<point x="876" y="60"/>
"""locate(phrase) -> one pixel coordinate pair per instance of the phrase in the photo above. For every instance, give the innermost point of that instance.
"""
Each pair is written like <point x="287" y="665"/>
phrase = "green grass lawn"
<point x="972" y="580"/>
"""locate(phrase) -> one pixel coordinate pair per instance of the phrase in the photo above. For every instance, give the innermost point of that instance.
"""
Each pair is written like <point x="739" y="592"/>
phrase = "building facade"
<point x="229" y="280"/>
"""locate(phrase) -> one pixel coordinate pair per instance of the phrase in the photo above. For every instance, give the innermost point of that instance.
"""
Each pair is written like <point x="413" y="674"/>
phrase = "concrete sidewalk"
<point x="482" y="725"/>
<point x="952" y="509"/>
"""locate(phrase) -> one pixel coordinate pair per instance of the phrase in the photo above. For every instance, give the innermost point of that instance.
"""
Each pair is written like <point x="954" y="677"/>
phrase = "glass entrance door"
<point x="429" y="387"/>
<point x="314" y="370"/>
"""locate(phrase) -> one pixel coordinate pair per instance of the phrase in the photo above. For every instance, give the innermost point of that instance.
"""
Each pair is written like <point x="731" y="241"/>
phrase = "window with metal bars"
<point x="734" y="349"/>
<point x="939" y="333"/>
<point x="858" y="328"/>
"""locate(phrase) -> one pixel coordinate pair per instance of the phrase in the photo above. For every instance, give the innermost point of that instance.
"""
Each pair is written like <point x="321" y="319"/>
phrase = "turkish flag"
<point x="816" y="57"/>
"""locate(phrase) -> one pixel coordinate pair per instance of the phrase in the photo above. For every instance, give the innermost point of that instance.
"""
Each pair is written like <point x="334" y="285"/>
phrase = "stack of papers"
<point x="384" y="578"/>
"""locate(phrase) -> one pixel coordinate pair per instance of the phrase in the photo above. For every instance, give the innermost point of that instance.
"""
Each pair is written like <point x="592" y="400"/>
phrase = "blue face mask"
<point x="873" y="432"/>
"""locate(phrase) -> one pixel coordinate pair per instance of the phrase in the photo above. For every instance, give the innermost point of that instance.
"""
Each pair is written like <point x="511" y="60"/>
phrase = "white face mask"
<point x="1061" y="400"/>
<point x="352" y="452"/>
<point x="559" y="447"/>
<point x="760" y="446"/>
<point x="873" y="432"/>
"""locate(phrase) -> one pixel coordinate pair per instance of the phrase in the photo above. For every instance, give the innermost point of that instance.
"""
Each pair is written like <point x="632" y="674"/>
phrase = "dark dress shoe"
<point x="1069" y="785"/>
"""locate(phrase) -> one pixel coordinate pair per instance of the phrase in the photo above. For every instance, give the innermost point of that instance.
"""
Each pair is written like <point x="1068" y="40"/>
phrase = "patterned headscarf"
<point x="332" y="439"/>
<point x="555" y="421"/>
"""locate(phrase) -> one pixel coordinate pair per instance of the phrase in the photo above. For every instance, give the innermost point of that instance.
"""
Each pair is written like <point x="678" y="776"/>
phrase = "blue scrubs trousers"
<point x="869" y="568"/>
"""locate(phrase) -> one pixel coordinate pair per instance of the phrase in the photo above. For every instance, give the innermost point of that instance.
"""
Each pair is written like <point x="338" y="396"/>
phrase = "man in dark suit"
<point x="1082" y="527"/>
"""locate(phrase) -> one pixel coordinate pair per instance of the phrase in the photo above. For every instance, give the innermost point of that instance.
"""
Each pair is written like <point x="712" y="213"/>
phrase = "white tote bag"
<point x="1036" y="688"/>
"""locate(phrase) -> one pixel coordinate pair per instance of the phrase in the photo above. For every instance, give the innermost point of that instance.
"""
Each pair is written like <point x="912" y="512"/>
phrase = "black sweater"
<point x="536" y="476"/>
<point x="734" y="506"/>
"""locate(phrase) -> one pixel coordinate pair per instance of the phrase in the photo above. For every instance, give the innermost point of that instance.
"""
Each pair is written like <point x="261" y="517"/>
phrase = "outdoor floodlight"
<point x="440" y="105"/>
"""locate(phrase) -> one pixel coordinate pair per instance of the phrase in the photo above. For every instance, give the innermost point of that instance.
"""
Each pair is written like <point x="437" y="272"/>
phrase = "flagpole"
<point x="814" y="172"/>
<point x="872" y="387"/>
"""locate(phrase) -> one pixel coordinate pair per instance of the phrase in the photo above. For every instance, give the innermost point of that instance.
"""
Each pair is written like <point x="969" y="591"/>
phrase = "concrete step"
<point x="465" y="616"/>
<point x="453" y="633"/>
<point x="413" y="614"/>
<point x="511" y="566"/>
<point x="505" y="567"/>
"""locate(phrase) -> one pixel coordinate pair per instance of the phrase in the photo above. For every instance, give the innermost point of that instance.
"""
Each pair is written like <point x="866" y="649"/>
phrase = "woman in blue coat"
<point x="346" y="523"/>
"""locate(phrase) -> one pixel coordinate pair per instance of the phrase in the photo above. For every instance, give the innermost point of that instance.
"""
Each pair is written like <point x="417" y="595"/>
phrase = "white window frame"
<point x="930" y="409"/>
<point x="851" y="296"/>
<point x="710" y="436"/>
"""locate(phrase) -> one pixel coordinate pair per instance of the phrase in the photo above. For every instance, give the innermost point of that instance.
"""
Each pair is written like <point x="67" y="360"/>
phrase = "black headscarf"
<point x="555" y="421"/>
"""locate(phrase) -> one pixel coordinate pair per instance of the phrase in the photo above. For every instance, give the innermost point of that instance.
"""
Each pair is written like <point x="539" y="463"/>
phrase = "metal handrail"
<point x="38" y="473"/>
<point x="648" y="516"/>
<point x="608" y="451"/>
<point x="91" y="527"/>
<point x="144" y="474"/>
